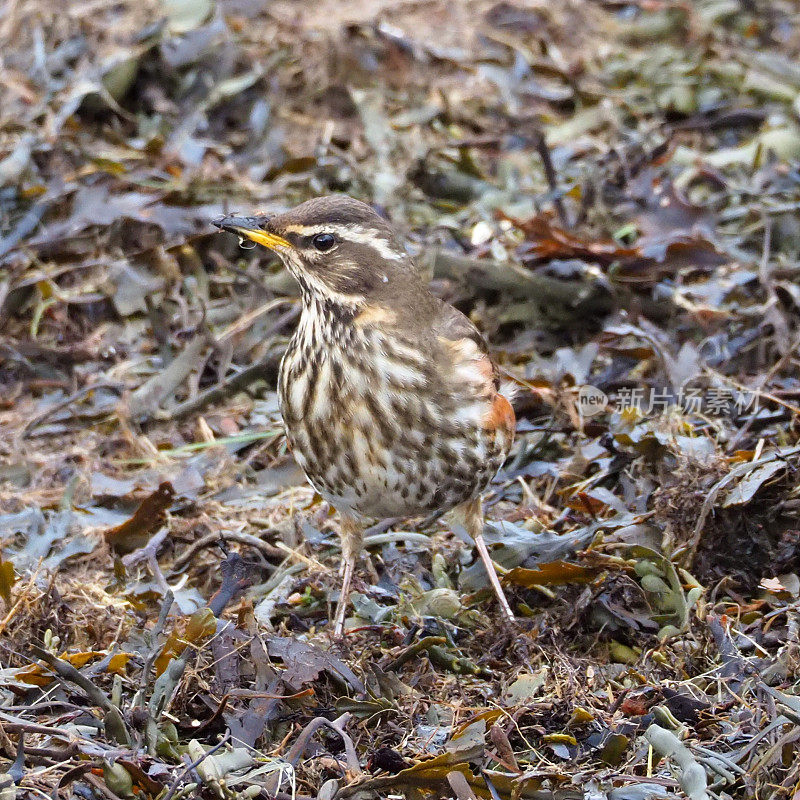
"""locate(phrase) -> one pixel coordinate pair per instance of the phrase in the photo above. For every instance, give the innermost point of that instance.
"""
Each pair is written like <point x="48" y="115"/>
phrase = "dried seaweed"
<point x="610" y="191"/>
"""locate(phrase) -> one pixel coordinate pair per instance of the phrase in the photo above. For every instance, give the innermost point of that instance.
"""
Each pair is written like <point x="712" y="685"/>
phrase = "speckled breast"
<point x="376" y="426"/>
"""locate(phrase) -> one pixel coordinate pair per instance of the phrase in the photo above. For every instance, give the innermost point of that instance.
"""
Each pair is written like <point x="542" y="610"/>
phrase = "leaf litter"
<point x="610" y="191"/>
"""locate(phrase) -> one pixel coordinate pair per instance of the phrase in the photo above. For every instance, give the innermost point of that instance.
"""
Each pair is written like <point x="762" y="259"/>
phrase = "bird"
<point x="392" y="404"/>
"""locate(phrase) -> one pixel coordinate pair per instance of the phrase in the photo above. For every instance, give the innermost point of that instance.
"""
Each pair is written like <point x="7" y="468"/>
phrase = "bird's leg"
<point x="473" y="522"/>
<point x="352" y="539"/>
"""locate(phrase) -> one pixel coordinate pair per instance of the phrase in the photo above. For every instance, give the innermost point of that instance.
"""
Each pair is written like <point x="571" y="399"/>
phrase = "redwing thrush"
<point x="391" y="402"/>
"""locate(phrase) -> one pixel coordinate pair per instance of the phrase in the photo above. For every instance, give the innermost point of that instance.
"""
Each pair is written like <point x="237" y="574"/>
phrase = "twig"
<point x="59" y="755"/>
<point x="148" y="552"/>
<point x="297" y="556"/>
<point x="25" y="226"/>
<point x="489" y="785"/>
<point x="567" y="298"/>
<point x="17" y="725"/>
<point x="266" y="365"/>
<point x="733" y="665"/>
<point x="247" y="319"/>
<point x="550" y="173"/>
<point x="112" y="719"/>
<point x="268" y="550"/>
<point x="54" y="409"/>
<point x="100" y="786"/>
<point x="144" y="401"/>
<point x="166" y="605"/>
<point x="236" y="577"/>
<point x="489" y="275"/>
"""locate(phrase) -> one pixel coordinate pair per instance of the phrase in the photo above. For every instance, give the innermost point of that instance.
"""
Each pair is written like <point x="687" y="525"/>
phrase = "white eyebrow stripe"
<point x="324" y="227"/>
<point x="352" y="233"/>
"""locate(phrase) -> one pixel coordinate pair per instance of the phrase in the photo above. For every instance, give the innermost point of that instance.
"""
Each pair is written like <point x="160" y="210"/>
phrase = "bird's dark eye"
<point x="323" y="242"/>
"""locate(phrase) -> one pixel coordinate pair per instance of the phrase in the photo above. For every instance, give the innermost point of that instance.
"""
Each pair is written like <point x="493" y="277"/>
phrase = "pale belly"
<point x="378" y="448"/>
<point x="391" y="479"/>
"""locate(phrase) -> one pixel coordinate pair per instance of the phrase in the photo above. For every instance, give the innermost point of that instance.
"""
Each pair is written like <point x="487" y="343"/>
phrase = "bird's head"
<point x="338" y="249"/>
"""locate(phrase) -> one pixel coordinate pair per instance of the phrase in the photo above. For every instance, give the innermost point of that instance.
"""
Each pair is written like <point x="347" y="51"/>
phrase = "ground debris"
<point x="610" y="191"/>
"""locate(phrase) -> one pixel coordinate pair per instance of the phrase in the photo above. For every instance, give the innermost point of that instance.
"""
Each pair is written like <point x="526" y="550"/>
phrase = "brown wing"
<point x="470" y="355"/>
<point x="450" y="324"/>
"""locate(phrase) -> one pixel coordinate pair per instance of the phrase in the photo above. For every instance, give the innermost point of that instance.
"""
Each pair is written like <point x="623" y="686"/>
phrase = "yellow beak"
<point x="250" y="228"/>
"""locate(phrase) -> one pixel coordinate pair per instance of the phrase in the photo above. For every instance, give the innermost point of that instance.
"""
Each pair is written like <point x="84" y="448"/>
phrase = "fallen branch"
<point x="144" y="401"/>
<point x="571" y="298"/>
<point x="485" y="274"/>
<point x="265" y="368"/>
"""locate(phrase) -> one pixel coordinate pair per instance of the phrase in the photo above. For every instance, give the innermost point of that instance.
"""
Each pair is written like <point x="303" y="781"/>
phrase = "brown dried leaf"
<point x="7" y="579"/>
<point x="192" y="630"/>
<point x="668" y="215"/>
<point x="432" y="774"/>
<point x="146" y="520"/>
<point x="555" y="573"/>
<point x="41" y="675"/>
<point x="547" y="241"/>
